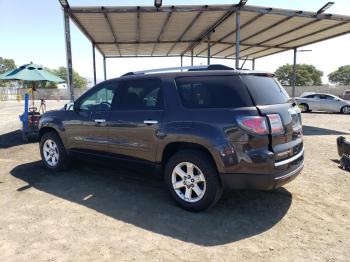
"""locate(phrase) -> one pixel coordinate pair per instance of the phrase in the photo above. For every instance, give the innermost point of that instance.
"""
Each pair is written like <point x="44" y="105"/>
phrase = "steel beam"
<point x="194" y="8"/>
<point x="159" y="56"/>
<point x="312" y="33"/>
<point x="138" y="30"/>
<point x="260" y="32"/>
<point x="294" y="77"/>
<point x="94" y="62"/>
<point x="230" y="44"/>
<point x="104" y="68"/>
<point x="181" y="62"/>
<point x="211" y="28"/>
<point x="208" y="49"/>
<point x="284" y="33"/>
<point x="238" y="37"/>
<point x="234" y="31"/>
<point x="253" y="64"/>
<point x="185" y="31"/>
<point x="70" y="83"/>
<point x="161" y="31"/>
<point x="112" y="31"/>
<point x="191" y="57"/>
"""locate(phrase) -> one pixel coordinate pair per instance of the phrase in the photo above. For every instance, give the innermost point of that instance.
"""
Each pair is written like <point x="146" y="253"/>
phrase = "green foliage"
<point x="6" y="65"/>
<point x="78" y="81"/>
<point x="306" y="75"/>
<point x="341" y="76"/>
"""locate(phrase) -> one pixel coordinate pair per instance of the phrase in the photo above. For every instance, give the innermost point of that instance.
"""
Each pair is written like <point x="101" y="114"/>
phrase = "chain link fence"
<point x="10" y="93"/>
<point x="13" y="93"/>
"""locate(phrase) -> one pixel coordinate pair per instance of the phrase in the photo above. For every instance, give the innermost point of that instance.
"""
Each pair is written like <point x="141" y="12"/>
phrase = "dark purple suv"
<point x="205" y="129"/>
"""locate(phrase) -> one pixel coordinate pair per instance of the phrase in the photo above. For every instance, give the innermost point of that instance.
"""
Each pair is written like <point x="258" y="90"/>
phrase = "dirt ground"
<point x="94" y="213"/>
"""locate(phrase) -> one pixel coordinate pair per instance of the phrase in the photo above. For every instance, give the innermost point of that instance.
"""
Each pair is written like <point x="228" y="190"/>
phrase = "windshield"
<point x="265" y="90"/>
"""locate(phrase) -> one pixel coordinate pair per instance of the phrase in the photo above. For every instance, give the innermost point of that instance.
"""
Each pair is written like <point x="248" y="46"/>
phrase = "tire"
<point x="345" y="110"/>
<point x="204" y="171"/>
<point x="52" y="146"/>
<point x="304" y="108"/>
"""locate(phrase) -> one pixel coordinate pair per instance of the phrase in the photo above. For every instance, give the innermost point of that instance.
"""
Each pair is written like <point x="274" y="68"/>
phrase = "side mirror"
<point x="76" y="106"/>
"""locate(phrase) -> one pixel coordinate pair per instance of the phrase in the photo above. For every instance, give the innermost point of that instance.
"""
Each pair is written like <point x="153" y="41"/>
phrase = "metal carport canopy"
<point x="178" y="30"/>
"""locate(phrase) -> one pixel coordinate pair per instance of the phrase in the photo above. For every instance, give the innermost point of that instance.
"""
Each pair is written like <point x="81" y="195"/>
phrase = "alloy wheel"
<point x="51" y="153"/>
<point x="188" y="182"/>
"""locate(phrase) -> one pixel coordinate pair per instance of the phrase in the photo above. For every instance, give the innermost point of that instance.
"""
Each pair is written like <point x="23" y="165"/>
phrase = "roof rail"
<point x="188" y="68"/>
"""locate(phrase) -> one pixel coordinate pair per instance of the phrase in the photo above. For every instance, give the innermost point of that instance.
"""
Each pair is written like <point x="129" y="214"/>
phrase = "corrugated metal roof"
<point x="176" y="30"/>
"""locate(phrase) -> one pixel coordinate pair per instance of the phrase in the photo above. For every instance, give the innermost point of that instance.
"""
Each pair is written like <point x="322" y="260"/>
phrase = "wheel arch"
<point x="47" y="129"/>
<point x="174" y="147"/>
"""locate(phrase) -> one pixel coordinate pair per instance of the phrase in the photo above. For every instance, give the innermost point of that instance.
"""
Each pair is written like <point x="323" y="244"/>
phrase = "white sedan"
<point x="323" y="102"/>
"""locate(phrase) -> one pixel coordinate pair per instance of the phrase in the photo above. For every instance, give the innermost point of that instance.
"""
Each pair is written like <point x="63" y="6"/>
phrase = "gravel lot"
<point x="94" y="213"/>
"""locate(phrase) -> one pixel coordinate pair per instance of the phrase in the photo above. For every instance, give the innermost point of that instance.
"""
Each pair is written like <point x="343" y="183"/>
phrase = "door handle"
<point x="100" y="121"/>
<point x="150" y="122"/>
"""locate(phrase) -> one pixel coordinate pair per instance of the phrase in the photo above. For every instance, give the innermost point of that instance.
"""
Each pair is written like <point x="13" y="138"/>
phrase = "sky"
<point x="32" y="31"/>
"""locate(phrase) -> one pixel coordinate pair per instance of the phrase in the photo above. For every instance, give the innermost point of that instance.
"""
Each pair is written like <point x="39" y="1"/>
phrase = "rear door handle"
<point x="100" y="121"/>
<point x="150" y="122"/>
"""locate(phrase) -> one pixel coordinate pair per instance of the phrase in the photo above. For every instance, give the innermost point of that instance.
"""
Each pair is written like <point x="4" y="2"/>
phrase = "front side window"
<point x="99" y="100"/>
<point x="143" y="94"/>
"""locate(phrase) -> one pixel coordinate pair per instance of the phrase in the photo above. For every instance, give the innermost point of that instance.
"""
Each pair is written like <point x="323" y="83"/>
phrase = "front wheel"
<point x="192" y="180"/>
<point x="53" y="154"/>
<point x="345" y="110"/>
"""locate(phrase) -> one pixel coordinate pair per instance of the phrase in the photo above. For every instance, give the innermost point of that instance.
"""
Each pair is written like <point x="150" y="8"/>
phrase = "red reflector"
<point x="275" y="123"/>
<point x="255" y="124"/>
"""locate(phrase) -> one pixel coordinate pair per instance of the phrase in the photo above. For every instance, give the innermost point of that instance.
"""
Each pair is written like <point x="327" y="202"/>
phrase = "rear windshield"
<point x="213" y="92"/>
<point x="265" y="90"/>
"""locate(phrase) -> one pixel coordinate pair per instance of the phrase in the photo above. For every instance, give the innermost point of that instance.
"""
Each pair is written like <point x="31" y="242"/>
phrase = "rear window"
<point x="265" y="90"/>
<point x="213" y="92"/>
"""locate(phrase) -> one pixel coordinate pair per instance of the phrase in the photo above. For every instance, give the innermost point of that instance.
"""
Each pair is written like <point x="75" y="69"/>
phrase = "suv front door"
<point x="88" y="129"/>
<point x="135" y="119"/>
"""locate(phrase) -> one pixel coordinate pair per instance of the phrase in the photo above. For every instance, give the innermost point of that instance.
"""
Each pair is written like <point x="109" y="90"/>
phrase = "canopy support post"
<point x="104" y="68"/>
<point x="94" y="62"/>
<point x="238" y="36"/>
<point x="294" y="72"/>
<point x="208" y="49"/>
<point x="70" y="84"/>
<point x="181" y="62"/>
<point x="192" y="57"/>
<point x="253" y="64"/>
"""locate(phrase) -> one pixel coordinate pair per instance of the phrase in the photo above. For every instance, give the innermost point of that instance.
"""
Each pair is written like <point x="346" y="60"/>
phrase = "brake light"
<point x="255" y="124"/>
<point x="275" y="123"/>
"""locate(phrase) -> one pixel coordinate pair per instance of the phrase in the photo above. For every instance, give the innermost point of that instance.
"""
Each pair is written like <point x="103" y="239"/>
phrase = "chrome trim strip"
<point x="281" y="163"/>
<point x="291" y="173"/>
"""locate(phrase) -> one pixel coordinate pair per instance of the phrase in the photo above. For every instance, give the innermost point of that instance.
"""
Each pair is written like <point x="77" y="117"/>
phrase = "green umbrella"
<point x="30" y="72"/>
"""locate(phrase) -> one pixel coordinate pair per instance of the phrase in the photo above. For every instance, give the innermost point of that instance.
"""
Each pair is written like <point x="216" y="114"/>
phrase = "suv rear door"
<point x="271" y="98"/>
<point x="135" y="119"/>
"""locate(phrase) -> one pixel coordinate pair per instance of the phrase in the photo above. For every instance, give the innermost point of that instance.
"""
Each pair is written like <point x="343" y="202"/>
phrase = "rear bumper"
<point x="260" y="181"/>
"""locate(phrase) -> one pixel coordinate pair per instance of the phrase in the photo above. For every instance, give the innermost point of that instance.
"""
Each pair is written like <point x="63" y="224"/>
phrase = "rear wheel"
<point x="304" y="108"/>
<point x="192" y="180"/>
<point x="53" y="153"/>
<point x="345" y="110"/>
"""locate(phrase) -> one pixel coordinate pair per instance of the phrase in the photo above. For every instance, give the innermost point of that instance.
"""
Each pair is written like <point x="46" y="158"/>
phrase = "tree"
<point x="78" y="81"/>
<point x="306" y="75"/>
<point x="341" y="76"/>
<point x="6" y="65"/>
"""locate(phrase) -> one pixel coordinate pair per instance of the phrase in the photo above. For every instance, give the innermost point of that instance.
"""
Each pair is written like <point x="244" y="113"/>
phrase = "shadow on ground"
<point x="318" y="131"/>
<point x="142" y="200"/>
<point x="11" y="139"/>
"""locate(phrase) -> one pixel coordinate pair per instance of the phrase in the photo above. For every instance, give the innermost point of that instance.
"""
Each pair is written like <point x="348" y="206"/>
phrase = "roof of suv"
<point x="198" y="73"/>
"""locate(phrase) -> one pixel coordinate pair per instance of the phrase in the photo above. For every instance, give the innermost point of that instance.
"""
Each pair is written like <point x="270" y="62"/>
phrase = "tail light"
<point x="275" y="123"/>
<point x="258" y="124"/>
<point x="255" y="124"/>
